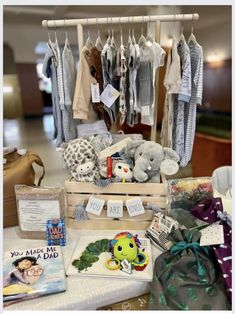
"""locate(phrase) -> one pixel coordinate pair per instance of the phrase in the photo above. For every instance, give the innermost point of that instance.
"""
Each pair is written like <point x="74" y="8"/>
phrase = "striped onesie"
<point x="183" y="98"/>
<point x="196" y="55"/>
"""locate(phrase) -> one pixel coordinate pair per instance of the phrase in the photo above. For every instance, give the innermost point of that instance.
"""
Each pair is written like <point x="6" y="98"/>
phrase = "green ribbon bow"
<point x="195" y="247"/>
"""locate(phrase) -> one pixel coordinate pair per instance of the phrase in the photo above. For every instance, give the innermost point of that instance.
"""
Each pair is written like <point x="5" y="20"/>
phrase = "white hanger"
<point x="142" y="39"/>
<point x="112" y="38"/>
<point x="192" y="39"/>
<point x="173" y="36"/>
<point x="98" y="42"/>
<point x="49" y="36"/>
<point x="121" y="32"/>
<point x="149" y="37"/>
<point x="133" y="33"/>
<point x="89" y="43"/>
<point x="66" y="37"/>
<point x="108" y="41"/>
<point x="129" y="34"/>
<point x="56" y="40"/>
<point x="182" y="38"/>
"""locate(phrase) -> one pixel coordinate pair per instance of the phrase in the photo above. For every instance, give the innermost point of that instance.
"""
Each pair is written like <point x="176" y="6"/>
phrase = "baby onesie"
<point x="196" y="56"/>
<point x="82" y="108"/>
<point x="50" y="71"/>
<point x="133" y="65"/>
<point x="96" y="72"/>
<point x="69" y="75"/>
<point x="122" y="86"/>
<point x="183" y="99"/>
<point x="109" y="68"/>
<point x="158" y="61"/>
<point x="144" y="78"/>
<point x="172" y="82"/>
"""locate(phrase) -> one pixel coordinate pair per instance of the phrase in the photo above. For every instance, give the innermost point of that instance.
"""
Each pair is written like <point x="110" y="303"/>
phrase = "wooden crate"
<point x="79" y="193"/>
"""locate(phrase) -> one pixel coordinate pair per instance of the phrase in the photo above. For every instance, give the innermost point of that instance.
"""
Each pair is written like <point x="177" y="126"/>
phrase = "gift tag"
<point x="95" y="93"/>
<point x="115" y="209"/>
<point x="212" y="235"/>
<point x="145" y="110"/>
<point x="135" y="206"/>
<point x="126" y="266"/>
<point x="109" y="95"/>
<point x="169" y="167"/>
<point x="95" y="205"/>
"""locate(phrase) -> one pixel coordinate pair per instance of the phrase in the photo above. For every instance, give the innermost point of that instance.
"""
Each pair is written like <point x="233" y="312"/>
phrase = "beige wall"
<point x="12" y="104"/>
<point x="24" y="38"/>
<point x="216" y="39"/>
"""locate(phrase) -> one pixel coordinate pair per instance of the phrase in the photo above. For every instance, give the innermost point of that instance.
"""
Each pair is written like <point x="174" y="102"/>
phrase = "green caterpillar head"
<point x="125" y="246"/>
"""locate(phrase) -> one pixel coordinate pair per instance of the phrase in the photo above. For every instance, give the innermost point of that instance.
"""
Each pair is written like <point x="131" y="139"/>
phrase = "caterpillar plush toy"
<point x="124" y="246"/>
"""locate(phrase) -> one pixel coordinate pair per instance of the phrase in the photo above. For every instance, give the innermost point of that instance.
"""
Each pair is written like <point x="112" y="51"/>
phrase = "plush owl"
<point x="123" y="171"/>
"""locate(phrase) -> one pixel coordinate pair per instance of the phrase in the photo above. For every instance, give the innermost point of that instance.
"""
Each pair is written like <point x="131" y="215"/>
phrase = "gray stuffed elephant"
<point x="151" y="159"/>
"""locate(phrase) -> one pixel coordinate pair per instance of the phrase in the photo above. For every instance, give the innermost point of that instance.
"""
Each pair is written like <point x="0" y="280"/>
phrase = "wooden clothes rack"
<point x="154" y="24"/>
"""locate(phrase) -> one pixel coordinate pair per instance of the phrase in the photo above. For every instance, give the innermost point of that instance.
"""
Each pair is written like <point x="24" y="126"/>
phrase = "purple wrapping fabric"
<point x="207" y="210"/>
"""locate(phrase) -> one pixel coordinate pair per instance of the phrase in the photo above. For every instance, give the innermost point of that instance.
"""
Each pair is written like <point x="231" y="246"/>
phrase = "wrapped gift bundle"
<point x="187" y="276"/>
<point x="211" y="211"/>
<point x="185" y="193"/>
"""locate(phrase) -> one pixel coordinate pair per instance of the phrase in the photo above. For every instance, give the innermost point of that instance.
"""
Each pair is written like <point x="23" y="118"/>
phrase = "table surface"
<point x="82" y="293"/>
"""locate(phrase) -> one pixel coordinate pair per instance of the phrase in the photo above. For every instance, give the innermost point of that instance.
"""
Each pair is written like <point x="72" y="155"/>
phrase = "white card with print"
<point x="95" y="93"/>
<point x="109" y="95"/>
<point x="34" y="214"/>
<point x="135" y="206"/>
<point x="212" y="235"/>
<point x="95" y="205"/>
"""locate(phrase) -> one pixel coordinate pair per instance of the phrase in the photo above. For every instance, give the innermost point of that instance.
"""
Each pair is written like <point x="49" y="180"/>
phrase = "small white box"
<point x="135" y="206"/>
<point x="115" y="208"/>
<point x="95" y="206"/>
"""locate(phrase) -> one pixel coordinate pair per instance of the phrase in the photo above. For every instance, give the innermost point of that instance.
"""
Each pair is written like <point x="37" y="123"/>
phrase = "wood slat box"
<point x="79" y="193"/>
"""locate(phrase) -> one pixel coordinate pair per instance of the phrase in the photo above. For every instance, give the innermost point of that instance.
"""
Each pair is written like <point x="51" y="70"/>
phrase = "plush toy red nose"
<point x="125" y="169"/>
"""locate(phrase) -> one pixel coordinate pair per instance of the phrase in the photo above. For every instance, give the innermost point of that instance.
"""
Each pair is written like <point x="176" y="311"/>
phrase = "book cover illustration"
<point x="32" y="273"/>
<point x="125" y="257"/>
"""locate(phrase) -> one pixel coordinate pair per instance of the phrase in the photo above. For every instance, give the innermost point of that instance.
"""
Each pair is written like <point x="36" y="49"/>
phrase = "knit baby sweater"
<point x="82" y="108"/>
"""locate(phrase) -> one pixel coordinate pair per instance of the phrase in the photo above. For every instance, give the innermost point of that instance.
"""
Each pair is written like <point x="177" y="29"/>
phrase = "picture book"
<point x="30" y="273"/>
<point x="126" y="256"/>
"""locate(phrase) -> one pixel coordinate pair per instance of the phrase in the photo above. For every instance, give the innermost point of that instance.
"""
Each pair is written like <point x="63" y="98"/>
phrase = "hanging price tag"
<point x="115" y="209"/>
<point x="135" y="206"/>
<point x="145" y="110"/>
<point x="95" y="93"/>
<point x="109" y="95"/>
<point x="212" y="235"/>
<point x="126" y="266"/>
<point x="95" y="206"/>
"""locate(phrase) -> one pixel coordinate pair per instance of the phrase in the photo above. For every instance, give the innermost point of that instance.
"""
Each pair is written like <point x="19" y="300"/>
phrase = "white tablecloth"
<point x="82" y="293"/>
